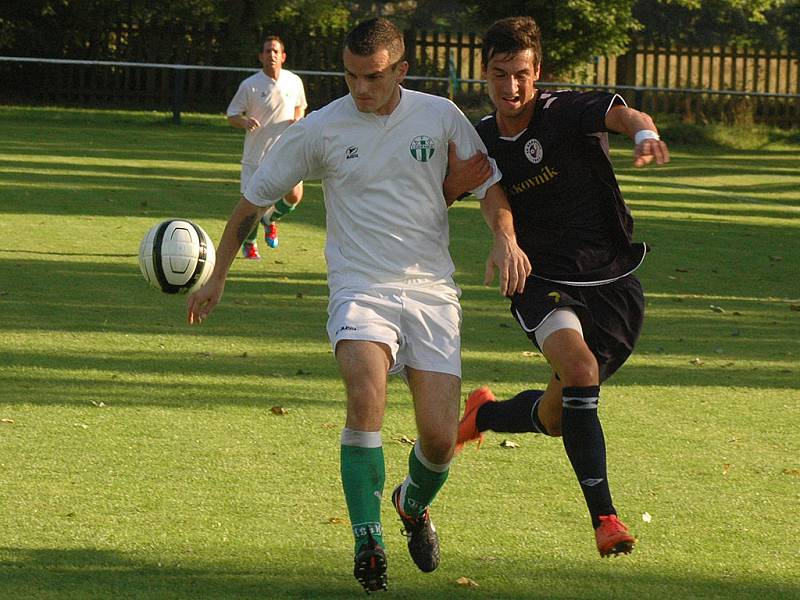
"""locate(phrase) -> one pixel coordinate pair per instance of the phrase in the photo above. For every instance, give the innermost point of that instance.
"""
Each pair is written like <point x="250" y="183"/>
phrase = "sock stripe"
<point x="426" y="463"/>
<point x="581" y="398"/>
<point x="535" y="422"/>
<point x="580" y="403"/>
<point x="361" y="439"/>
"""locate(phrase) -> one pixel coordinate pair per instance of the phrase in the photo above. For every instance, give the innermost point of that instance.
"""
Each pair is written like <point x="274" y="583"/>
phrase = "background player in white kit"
<point x="265" y="104"/>
<point x="381" y="153"/>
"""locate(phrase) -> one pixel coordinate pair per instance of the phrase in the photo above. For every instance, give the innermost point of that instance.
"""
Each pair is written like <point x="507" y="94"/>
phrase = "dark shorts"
<point x="611" y="315"/>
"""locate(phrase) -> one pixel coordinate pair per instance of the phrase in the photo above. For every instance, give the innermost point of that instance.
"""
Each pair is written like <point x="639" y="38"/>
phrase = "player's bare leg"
<point x="436" y="400"/>
<point x="364" y="366"/>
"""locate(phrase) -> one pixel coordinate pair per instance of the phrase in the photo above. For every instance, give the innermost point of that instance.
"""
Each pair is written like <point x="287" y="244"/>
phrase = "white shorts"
<point x="420" y="325"/>
<point x="247" y="173"/>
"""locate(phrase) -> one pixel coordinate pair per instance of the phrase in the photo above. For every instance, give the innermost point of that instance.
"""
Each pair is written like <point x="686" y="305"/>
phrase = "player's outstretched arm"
<point x="509" y="259"/>
<point x="464" y="175"/>
<point x="245" y="216"/>
<point x="642" y="130"/>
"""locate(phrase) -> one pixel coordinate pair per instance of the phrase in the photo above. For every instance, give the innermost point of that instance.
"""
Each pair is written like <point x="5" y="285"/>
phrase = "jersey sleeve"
<point x="468" y="142"/>
<point x="297" y="155"/>
<point x="238" y="105"/>
<point x="582" y="113"/>
<point x="593" y="107"/>
<point x="301" y="95"/>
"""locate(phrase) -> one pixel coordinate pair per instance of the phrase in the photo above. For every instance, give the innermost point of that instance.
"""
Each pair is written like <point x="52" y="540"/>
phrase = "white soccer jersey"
<point x="382" y="180"/>
<point x="272" y="103"/>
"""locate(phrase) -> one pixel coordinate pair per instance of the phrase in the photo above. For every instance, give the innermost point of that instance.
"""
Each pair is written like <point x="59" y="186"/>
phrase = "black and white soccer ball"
<point x="176" y="256"/>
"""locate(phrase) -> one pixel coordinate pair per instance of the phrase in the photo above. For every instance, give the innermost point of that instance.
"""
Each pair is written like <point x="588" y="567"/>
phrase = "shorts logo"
<point x="351" y="152"/>
<point x="555" y="296"/>
<point x="346" y="328"/>
<point x="422" y="148"/>
<point x="533" y="151"/>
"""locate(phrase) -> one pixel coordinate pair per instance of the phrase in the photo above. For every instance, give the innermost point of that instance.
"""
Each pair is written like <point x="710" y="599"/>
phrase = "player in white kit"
<point x="265" y="104"/>
<point x="381" y="153"/>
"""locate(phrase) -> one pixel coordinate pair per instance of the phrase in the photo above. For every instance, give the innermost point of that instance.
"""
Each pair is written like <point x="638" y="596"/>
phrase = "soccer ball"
<point x="176" y="256"/>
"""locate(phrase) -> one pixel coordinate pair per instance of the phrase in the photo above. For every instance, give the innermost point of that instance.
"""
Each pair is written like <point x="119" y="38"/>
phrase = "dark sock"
<point x="585" y="445"/>
<point x="511" y="416"/>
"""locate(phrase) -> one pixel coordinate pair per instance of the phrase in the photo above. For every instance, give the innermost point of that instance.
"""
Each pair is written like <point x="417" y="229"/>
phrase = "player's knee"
<point x="438" y="446"/>
<point x="580" y="373"/>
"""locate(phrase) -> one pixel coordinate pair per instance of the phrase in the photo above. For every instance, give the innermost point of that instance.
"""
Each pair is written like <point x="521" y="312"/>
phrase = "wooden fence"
<point x="735" y="83"/>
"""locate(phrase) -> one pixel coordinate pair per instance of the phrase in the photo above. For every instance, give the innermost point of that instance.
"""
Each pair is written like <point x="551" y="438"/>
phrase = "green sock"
<point x="282" y="208"/>
<point x="363" y="477"/>
<point x="424" y="481"/>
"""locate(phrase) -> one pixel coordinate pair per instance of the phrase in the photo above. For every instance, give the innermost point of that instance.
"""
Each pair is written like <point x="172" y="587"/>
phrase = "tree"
<point x="713" y="22"/>
<point x="573" y="31"/>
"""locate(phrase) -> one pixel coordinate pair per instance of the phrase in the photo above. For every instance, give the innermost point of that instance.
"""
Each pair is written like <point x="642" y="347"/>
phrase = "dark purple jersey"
<point x="569" y="215"/>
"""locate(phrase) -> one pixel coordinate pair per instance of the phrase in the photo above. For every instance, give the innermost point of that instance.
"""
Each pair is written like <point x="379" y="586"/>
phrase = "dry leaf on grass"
<point x="404" y="439"/>
<point x="726" y="468"/>
<point x="509" y="444"/>
<point x="467" y="582"/>
<point x="697" y="362"/>
<point x="647" y="517"/>
<point x="279" y="410"/>
<point x="794" y="472"/>
<point x="6" y="420"/>
<point x="335" y="520"/>
<point x="328" y="425"/>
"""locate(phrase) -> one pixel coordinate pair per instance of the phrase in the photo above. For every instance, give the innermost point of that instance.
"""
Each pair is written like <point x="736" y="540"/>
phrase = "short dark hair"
<point x="369" y="36"/>
<point x="272" y="38"/>
<point x="512" y="35"/>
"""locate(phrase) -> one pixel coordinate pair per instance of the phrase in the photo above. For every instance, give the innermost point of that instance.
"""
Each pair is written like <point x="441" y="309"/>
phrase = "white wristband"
<point x="645" y="134"/>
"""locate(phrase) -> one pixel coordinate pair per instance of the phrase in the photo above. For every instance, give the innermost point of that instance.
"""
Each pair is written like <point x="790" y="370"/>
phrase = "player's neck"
<point x="273" y="73"/>
<point x="511" y="125"/>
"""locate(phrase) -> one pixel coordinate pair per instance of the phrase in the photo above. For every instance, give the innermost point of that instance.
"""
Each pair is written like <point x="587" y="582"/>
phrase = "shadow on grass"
<point x="91" y="573"/>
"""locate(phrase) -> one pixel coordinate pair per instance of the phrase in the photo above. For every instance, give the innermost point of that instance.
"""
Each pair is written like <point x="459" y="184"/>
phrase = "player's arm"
<point x="642" y="130"/>
<point x="245" y="216"/>
<point x="243" y="122"/>
<point x="299" y="113"/>
<point x="464" y="175"/>
<point x="509" y="259"/>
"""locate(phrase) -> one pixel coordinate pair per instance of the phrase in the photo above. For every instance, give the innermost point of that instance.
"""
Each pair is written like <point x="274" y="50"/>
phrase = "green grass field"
<point x="140" y="458"/>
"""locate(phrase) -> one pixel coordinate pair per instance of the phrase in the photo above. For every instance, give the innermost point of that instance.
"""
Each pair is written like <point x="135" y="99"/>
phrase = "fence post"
<point x="626" y="72"/>
<point x="177" y="95"/>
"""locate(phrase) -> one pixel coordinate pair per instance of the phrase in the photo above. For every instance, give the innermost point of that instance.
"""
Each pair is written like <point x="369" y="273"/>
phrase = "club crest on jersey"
<point x="351" y="152"/>
<point x="533" y="151"/>
<point x="422" y="148"/>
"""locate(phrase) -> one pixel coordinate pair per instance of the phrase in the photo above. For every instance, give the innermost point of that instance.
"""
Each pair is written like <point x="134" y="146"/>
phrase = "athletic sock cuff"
<point x="428" y="464"/>
<point x="581" y="397"/>
<point x="361" y="439"/>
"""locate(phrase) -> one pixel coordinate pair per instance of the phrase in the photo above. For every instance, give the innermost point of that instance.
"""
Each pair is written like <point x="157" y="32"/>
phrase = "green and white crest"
<point x="422" y="148"/>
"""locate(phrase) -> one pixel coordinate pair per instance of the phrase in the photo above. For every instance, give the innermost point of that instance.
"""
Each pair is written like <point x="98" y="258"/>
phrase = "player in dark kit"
<point x="582" y="306"/>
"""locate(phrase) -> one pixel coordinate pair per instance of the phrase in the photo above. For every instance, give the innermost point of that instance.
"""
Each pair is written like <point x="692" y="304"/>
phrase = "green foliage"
<point x="140" y="457"/>
<point x="573" y="31"/>
<point x="712" y="22"/>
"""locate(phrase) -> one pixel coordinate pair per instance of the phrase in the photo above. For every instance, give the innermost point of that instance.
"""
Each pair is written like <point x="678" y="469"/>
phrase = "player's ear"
<point x="538" y="72"/>
<point x="402" y="71"/>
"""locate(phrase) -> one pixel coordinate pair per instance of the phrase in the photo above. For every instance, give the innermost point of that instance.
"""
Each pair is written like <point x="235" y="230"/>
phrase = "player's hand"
<point x="650" y="150"/>
<point x="200" y="304"/>
<point x="512" y="265"/>
<point x="250" y="124"/>
<point x="464" y="175"/>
